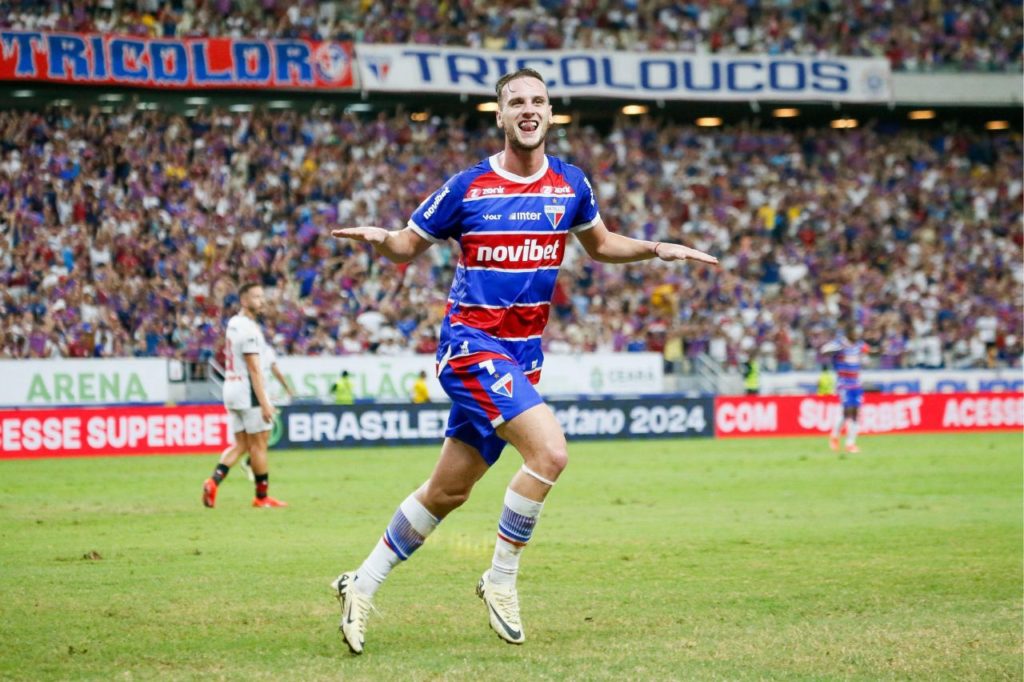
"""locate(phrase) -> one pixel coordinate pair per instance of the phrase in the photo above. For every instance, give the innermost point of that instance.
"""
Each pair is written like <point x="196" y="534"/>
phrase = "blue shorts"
<point x="487" y="389"/>
<point x="851" y="397"/>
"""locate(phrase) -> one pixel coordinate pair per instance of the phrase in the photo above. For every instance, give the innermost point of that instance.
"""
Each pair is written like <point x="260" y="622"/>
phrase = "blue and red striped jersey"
<point x="513" y="232"/>
<point x="849" y="357"/>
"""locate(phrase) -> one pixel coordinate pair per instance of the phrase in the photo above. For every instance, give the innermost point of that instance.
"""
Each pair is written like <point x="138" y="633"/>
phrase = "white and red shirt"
<point x="243" y="337"/>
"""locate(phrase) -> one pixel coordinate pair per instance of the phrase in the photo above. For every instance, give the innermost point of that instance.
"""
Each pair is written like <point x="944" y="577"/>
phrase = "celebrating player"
<point x="245" y="398"/>
<point x="512" y="214"/>
<point x="847" y="357"/>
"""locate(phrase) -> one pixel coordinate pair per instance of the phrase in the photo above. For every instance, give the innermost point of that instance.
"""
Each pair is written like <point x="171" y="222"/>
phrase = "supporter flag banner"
<point x="83" y="382"/>
<point x="188" y="63"/>
<point x="76" y="432"/>
<point x="628" y="75"/>
<point x="910" y="413"/>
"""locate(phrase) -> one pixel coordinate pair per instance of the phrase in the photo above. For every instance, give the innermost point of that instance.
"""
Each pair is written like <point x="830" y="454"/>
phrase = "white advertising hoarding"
<point x="390" y="379"/>
<point x="905" y="381"/>
<point x="83" y="382"/>
<point x="634" y="75"/>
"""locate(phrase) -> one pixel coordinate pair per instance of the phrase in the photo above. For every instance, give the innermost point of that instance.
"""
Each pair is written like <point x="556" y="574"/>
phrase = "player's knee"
<point x="445" y="498"/>
<point x="456" y="498"/>
<point x="551" y="459"/>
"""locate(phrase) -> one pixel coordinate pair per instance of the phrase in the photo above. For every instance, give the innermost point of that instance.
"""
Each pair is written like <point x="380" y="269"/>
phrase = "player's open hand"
<point x="370" y="235"/>
<point x="673" y="252"/>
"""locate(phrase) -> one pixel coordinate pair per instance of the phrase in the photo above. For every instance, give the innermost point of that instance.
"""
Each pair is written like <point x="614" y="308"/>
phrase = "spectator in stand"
<point x="914" y="35"/>
<point x="917" y="229"/>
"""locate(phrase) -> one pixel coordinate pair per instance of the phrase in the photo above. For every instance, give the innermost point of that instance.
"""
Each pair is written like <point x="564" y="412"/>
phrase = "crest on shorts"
<point x="503" y="386"/>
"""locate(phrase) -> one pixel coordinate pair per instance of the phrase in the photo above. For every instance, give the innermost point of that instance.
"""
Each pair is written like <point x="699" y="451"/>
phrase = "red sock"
<point x="262" y="483"/>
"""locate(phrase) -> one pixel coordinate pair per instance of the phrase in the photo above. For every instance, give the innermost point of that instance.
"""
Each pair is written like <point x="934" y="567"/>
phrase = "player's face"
<point x="524" y="113"/>
<point x="254" y="300"/>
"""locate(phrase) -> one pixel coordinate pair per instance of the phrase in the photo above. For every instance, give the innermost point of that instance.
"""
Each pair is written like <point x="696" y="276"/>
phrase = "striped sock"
<point x="515" y="528"/>
<point x="409" y="527"/>
<point x="220" y="473"/>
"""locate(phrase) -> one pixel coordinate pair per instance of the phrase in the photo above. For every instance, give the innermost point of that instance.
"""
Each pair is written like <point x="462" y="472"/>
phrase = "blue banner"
<point x="336" y="426"/>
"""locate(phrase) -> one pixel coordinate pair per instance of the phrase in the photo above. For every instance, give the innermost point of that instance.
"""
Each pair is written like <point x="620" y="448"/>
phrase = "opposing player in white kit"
<point x="245" y="396"/>
<point x="269" y="363"/>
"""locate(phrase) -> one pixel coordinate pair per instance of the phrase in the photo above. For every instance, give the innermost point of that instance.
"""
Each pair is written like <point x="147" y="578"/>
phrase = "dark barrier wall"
<point x="330" y="426"/>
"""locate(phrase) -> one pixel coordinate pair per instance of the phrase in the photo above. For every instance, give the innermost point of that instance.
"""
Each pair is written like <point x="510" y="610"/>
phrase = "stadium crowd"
<point x="977" y="35"/>
<point x="127" y="233"/>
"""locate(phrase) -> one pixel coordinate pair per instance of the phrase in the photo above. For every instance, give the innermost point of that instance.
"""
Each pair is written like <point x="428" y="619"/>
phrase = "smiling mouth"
<point x="529" y="126"/>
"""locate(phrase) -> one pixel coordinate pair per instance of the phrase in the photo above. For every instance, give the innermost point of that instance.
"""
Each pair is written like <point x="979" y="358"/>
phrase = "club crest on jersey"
<point x="503" y="386"/>
<point x="554" y="212"/>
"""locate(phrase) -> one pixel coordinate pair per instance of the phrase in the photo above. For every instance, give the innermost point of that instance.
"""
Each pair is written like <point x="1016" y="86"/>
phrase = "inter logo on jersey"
<point x="554" y="212"/>
<point x="503" y="386"/>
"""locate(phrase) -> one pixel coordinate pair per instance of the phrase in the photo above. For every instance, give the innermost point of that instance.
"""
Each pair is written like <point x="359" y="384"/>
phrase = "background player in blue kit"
<point x="847" y="358"/>
<point x="511" y="214"/>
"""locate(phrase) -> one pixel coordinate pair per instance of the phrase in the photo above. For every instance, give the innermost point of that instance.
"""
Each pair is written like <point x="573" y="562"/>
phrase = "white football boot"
<point x="503" y="609"/>
<point x="355" y="611"/>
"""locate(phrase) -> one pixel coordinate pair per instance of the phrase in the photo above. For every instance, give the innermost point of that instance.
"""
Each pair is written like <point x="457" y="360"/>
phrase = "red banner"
<point x="738" y="416"/>
<point x="75" y="432"/>
<point x="190" y="63"/>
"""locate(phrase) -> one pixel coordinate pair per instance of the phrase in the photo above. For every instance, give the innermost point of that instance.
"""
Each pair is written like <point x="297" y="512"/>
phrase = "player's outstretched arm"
<point x="399" y="246"/>
<point x="608" y="247"/>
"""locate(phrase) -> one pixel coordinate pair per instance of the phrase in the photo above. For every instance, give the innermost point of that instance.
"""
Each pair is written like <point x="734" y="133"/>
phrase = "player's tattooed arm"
<point x="399" y="246"/>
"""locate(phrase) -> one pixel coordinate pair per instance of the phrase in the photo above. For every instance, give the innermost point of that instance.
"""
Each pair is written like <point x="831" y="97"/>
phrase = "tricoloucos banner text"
<point x="633" y="75"/>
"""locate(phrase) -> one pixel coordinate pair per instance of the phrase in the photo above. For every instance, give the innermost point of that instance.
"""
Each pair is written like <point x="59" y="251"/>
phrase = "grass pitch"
<point x="732" y="560"/>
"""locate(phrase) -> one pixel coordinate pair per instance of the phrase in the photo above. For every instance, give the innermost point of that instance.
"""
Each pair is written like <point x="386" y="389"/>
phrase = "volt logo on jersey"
<point x="503" y="386"/>
<point x="554" y="213"/>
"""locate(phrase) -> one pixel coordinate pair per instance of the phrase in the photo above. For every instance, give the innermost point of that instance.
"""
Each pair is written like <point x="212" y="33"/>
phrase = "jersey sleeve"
<point x="438" y="217"/>
<point x="832" y="347"/>
<point x="250" y="340"/>
<point x="587" y="214"/>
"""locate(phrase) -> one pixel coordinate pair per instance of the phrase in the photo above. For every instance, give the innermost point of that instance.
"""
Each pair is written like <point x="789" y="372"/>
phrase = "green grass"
<point x="731" y="560"/>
